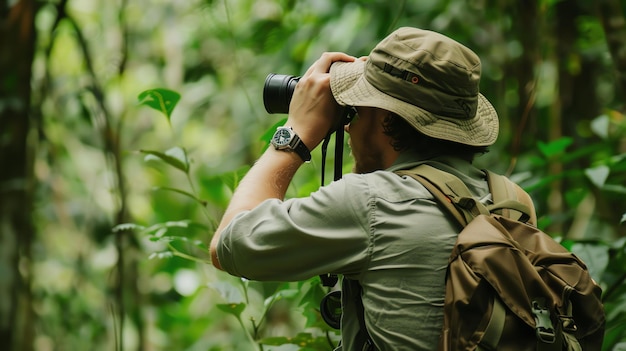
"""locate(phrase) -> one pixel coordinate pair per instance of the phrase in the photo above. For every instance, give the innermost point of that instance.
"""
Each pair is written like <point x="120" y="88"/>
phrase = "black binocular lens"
<point x="330" y="309"/>
<point x="278" y="91"/>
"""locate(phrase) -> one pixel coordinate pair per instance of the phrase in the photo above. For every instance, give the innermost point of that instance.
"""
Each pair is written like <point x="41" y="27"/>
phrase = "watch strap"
<point x="301" y="149"/>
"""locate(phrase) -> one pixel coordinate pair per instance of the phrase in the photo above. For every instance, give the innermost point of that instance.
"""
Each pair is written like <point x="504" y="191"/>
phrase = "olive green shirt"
<point x="381" y="229"/>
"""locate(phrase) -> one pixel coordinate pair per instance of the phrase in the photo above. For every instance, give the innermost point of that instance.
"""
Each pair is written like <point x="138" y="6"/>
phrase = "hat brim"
<point x="350" y="88"/>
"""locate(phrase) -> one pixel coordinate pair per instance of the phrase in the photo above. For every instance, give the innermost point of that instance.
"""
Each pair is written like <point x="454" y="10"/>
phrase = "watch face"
<point x="282" y="137"/>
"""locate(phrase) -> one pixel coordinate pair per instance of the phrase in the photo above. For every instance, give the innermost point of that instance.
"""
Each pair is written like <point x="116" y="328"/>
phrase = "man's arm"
<point x="268" y="178"/>
<point x="312" y="113"/>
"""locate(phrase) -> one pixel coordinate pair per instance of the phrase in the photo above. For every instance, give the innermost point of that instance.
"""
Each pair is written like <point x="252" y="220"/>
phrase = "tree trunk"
<point x="523" y="118"/>
<point x="529" y="24"/>
<point x="612" y="18"/>
<point x="17" y="144"/>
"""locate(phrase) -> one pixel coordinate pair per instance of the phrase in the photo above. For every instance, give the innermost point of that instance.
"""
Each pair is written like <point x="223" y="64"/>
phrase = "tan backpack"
<point x="509" y="286"/>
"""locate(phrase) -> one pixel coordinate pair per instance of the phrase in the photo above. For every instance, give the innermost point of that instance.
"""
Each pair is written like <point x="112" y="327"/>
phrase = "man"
<point x="417" y="101"/>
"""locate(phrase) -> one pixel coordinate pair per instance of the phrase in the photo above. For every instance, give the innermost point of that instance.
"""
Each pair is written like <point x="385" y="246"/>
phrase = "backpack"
<point x="510" y="286"/>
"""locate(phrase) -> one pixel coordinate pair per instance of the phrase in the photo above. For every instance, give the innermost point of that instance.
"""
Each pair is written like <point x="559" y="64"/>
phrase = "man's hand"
<point x="313" y="111"/>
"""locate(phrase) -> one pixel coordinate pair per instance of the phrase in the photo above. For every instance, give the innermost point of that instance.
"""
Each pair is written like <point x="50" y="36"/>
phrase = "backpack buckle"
<point x="568" y="323"/>
<point x="543" y="324"/>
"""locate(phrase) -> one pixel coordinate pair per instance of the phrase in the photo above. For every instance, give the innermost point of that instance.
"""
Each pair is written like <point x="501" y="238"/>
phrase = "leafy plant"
<point x="594" y="198"/>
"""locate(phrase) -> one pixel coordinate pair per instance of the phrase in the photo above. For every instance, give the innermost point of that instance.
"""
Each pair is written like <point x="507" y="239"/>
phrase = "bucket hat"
<point x="426" y="78"/>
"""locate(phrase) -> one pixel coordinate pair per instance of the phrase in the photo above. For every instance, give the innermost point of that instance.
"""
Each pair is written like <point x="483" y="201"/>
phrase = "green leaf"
<point x="623" y="220"/>
<point x="598" y="175"/>
<point x="176" y="157"/>
<point x="232" y="308"/>
<point x="555" y="147"/>
<point x="310" y="303"/>
<point x="595" y="256"/>
<point x="620" y="244"/>
<point x="162" y="100"/>
<point x="619" y="189"/>
<point x="173" y="224"/>
<point x="281" y="294"/>
<point x="600" y="126"/>
<point x="574" y="197"/>
<point x="313" y="292"/>
<point x="157" y="231"/>
<point x="172" y="238"/>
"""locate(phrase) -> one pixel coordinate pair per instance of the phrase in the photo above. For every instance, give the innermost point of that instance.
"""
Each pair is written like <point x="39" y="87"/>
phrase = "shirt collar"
<point x="410" y="159"/>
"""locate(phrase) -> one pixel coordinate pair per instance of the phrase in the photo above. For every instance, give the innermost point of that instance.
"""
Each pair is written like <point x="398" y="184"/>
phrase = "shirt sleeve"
<point x="327" y="232"/>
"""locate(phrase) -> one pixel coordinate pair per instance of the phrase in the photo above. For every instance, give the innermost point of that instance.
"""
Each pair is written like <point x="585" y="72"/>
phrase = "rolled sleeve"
<point x="301" y="238"/>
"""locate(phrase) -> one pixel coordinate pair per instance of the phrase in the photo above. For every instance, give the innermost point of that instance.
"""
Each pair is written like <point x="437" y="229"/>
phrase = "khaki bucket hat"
<point x="426" y="78"/>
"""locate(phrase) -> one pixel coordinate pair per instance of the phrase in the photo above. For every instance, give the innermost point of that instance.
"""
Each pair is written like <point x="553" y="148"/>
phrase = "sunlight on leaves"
<point x="598" y="175"/>
<point x="161" y="255"/>
<point x="174" y="224"/>
<point x="127" y="226"/>
<point x="186" y="282"/>
<point x="160" y="232"/>
<point x="162" y="100"/>
<point x="172" y="238"/>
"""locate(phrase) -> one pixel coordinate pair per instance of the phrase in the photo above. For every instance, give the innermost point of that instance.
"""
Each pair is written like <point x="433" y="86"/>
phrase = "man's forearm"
<point x="268" y="178"/>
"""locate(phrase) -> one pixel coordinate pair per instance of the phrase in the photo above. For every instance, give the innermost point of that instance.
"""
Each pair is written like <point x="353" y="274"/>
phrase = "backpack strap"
<point x="362" y="340"/>
<point x="494" y="328"/>
<point x="510" y="200"/>
<point x="449" y="191"/>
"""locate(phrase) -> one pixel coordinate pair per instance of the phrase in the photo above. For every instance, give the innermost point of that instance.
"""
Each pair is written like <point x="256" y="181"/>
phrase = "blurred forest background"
<point x="107" y="204"/>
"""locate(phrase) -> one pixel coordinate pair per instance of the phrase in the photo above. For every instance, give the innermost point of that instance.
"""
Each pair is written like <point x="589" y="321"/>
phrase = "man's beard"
<point x="366" y="164"/>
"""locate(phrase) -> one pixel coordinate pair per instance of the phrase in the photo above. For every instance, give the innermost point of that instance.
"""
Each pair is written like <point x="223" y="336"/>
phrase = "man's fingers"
<point x="322" y="65"/>
<point x="328" y="58"/>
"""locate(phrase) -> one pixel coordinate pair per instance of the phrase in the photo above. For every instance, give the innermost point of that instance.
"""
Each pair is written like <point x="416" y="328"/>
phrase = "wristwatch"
<point x="287" y="140"/>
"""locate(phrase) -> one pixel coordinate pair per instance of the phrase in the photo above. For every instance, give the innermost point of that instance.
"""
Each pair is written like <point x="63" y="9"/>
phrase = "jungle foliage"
<point x="126" y="125"/>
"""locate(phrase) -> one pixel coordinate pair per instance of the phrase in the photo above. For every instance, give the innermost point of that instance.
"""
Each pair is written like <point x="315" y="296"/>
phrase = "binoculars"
<point x="278" y="91"/>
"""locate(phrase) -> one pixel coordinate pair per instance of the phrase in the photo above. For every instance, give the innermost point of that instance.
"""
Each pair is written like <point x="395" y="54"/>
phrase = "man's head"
<point x="427" y="79"/>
